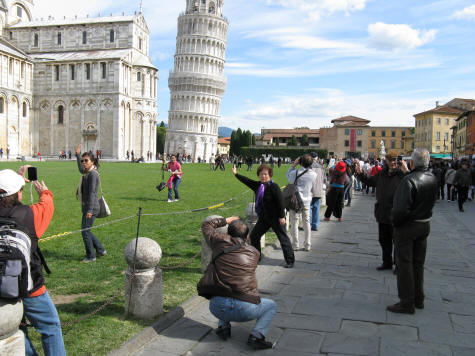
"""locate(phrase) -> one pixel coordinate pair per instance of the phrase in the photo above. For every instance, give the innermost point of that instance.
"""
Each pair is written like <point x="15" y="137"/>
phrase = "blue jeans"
<point x="91" y="243"/>
<point x="315" y="212"/>
<point x="231" y="309"/>
<point x="42" y="314"/>
<point x="175" y="183"/>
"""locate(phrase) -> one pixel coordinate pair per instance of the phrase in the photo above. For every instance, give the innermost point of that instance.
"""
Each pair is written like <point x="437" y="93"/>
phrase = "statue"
<point x="382" y="150"/>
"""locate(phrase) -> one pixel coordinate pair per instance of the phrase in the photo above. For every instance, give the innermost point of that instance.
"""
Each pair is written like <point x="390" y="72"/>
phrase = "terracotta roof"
<point x="444" y="109"/>
<point x="350" y="118"/>
<point x="471" y="101"/>
<point x="224" y="140"/>
<point x="353" y="123"/>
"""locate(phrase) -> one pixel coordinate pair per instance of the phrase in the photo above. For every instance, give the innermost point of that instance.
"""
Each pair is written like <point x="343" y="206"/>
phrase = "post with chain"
<point x="143" y="279"/>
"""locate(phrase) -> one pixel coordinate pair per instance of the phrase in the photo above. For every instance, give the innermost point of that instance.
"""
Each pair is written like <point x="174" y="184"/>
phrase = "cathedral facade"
<point x="197" y="82"/>
<point x="71" y="81"/>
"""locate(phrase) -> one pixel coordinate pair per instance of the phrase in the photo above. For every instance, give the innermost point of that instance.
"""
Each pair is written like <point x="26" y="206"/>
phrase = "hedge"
<point x="293" y="153"/>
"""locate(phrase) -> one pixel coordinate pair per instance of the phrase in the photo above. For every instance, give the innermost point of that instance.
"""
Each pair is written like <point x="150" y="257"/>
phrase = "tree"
<point x="304" y="141"/>
<point x="161" y="134"/>
<point x="276" y="141"/>
<point x="293" y="141"/>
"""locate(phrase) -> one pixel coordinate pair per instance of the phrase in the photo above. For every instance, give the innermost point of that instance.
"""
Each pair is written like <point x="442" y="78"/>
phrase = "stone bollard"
<point x="12" y="340"/>
<point x="143" y="294"/>
<point x="251" y="220"/>
<point x="205" y="248"/>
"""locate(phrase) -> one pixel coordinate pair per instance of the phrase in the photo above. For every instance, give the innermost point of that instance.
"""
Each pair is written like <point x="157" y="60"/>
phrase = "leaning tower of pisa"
<point x="197" y="82"/>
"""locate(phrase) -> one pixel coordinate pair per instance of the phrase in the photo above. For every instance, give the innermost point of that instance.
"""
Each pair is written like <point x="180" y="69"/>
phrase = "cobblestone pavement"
<point x="333" y="302"/>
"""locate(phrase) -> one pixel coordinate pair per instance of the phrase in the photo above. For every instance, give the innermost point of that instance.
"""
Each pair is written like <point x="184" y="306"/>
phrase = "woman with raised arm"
<point x="270" y="211"/>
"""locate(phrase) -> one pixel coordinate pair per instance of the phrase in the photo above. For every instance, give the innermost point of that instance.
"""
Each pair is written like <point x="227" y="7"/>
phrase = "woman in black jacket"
<point x="87" y="193"/>
<point x="270" y="211"/>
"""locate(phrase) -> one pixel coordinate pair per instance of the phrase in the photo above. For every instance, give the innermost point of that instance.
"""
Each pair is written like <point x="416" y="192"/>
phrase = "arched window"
<point x="60" y="114"/>
<point x="25" y="109"/>
<point x="2" y="105"/>
<point x="36" y="40"/>
<point x="211" y="8"/>
<point x="112" y="36"/>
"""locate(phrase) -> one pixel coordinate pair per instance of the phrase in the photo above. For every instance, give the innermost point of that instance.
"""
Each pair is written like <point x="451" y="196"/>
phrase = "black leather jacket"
<point x="415" y="197"/>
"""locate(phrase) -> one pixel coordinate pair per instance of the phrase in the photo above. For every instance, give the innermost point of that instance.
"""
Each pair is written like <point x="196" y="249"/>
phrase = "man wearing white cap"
<point x="34" y="220"/>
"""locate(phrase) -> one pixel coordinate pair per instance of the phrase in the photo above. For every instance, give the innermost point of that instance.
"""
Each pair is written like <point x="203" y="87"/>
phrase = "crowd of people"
<point x="405" y="194"/>
<point x="404" y="198"/>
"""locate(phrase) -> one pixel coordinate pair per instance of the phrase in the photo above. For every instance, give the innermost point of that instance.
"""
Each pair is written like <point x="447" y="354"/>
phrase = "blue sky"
<point x="305" y="62"/>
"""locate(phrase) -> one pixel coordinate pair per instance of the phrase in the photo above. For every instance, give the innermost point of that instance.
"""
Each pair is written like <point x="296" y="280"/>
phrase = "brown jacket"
<point x="234" y="274"/>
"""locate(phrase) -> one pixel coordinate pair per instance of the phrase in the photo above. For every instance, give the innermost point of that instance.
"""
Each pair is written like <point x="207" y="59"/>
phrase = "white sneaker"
<point x="170" y="200"/>
<point x="176" y="199"/>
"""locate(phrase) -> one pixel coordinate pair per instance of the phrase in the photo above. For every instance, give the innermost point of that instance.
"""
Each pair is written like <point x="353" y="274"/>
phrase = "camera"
<point x="32" y="173"/>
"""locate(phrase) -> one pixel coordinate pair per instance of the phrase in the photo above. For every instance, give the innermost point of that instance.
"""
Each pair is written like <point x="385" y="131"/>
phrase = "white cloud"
<point x="466" y="14"/>
<point x="317" y="8"/>
<point x="317" y="108"/>
<point x="398" y="37"/>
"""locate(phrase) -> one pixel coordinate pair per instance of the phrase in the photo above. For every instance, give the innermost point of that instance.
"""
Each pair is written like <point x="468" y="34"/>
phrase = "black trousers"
<point x="335" y="202"/>
<point x="262" y="226"/>
<point x="441" y="191"/>
<point x="411" y="245"/>
<point x="386" y="235"/>
<point x="463" y="195"/>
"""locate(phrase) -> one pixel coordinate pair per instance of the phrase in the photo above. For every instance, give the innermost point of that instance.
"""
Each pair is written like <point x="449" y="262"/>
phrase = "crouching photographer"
<point x="230" y="282"/>
<point x="33" y="221"/>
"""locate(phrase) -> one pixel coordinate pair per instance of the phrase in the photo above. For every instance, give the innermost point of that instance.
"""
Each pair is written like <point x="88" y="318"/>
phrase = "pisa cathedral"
<point x="70" y="81"/>
<point x="197" y="82"/>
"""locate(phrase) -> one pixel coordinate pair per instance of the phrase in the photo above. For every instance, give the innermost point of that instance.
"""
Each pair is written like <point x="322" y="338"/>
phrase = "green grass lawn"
<point x="127" y="187"/>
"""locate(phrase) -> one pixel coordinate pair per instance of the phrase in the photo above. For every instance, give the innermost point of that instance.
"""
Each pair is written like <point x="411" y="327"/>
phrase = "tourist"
<point x="231" y="284"/>
<point x="304" y="178"/>
<point x="175" y="179"/>
<point x="462" y="180"/>
<point x="449" y="180"/>
<point x="87" y="194"/>
<point x="317" y="193"/>
<point x="386" y="183"/>
<point x="34" y="220"/>
<point x="336" y="191"/>
<point x="270" y="211"/>
<point x="414" y="200"/>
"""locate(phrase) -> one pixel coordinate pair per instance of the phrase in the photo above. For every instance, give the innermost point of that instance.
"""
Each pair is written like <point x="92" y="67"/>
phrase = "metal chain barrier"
<point x="49" y="238"/>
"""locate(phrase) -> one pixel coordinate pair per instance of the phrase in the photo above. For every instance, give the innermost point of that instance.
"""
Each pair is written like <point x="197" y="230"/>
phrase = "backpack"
<point x="15" y="255"/>
<point x="292" y="198"/>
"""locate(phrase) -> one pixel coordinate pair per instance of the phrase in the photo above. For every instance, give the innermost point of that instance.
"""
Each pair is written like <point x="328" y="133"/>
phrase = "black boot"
<point x="224" y="332"/>
<point x="402" y="309"/>
<point x="259" y="344"/>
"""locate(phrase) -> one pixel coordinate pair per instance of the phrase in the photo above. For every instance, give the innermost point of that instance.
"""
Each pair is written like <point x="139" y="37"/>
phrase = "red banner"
<point x="353" y="140"/>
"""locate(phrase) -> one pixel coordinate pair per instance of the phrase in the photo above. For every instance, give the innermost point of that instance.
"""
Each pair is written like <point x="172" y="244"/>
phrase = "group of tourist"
<point x="405" y="196"/>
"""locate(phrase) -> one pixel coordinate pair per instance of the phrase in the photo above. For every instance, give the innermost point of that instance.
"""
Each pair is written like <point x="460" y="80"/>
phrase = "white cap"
<point x="11" y="182"/>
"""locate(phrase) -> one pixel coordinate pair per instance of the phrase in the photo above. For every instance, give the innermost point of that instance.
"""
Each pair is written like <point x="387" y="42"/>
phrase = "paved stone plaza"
<point x="334" y="301"/>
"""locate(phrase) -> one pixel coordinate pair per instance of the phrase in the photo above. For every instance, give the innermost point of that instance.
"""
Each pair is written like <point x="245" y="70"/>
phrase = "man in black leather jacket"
<point x="412" y="209"/>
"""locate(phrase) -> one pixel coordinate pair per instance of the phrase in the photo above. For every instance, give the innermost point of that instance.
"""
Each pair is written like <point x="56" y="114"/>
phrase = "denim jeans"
<point x="315" y="212"/>
<point x="91" y="243"/>
<point x="231" y="309"/>
<point x="175" y="183"/>
<point x="42" y="314"/>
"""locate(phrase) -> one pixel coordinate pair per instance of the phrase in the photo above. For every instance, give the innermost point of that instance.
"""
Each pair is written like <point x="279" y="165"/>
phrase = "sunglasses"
<point x="85" y="160"/>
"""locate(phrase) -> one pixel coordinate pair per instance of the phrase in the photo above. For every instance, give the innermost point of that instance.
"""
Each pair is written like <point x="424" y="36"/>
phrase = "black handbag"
<point x="162" y="184"/>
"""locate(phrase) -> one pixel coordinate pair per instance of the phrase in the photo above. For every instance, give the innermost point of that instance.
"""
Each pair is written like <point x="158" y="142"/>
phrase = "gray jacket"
<point x="321" y="178"/>
<point x="89" y="185"/>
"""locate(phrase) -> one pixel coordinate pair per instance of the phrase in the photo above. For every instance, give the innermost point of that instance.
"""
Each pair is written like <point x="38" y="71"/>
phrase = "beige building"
<point x="460" y="132"/>
<point x="347" y="138"/>
<point x="70" y="81"/>
<point x="393" y="138"/>
<point x="224" y="145"/>
<point x="433" y="128"/>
